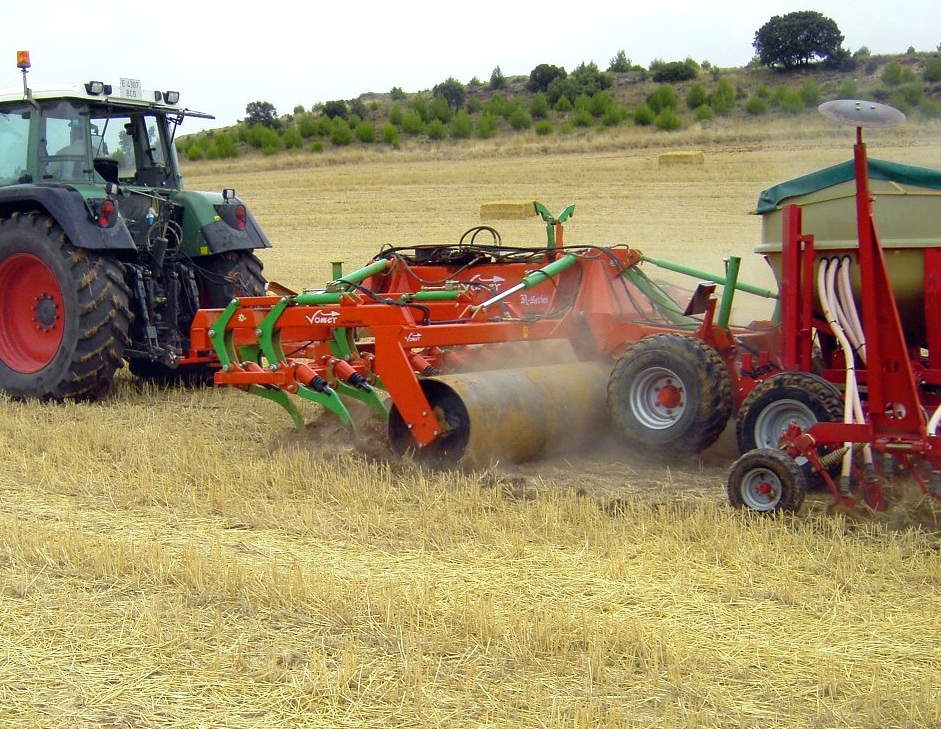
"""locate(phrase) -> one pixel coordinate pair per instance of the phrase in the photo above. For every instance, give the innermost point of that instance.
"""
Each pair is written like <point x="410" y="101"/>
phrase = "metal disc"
<point x="862" y="113"/>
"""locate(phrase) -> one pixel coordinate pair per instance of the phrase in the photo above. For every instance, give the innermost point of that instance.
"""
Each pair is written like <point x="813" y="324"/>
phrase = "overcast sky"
<point x="221" y="56"/>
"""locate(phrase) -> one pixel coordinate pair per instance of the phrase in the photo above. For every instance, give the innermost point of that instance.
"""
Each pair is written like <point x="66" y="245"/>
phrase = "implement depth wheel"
<point x="64" y="313"/>
<point x="766" y="480"/>
<point x="671" y="392"/>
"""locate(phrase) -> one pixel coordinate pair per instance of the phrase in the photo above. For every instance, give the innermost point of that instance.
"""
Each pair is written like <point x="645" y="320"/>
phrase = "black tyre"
<point x="766" y="480"/>
<point x="670" y="392"/>
<point x="220" y="278"/>
<point x="64" y="314"/>
<point x="797" y="397"/>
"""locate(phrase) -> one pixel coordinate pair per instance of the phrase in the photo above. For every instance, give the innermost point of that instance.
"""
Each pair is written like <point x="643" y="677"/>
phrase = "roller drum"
<point x="513" y="415"/>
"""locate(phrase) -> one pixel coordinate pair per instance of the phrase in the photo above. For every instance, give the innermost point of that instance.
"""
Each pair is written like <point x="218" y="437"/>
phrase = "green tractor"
<point x="104" y="257"/>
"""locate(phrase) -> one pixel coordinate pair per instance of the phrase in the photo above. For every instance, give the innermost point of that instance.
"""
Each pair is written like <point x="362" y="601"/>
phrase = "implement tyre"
<point x="767" y="481"/>
<point x="670" y="392"/>
<point x="64" y="313"/>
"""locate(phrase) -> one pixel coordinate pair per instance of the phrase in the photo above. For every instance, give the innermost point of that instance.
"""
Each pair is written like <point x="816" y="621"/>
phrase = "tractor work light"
<point x="97" y="88"/>
<point x="171" y="97"/>
<point x="158" y="97"/>
<point x="22" y="60"/>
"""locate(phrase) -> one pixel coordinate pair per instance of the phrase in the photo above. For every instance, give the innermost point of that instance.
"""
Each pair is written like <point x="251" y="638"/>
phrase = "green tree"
<point x="543" y="75"/>
<point x="261" y="112"/>
<point x="365" y="132"/>
<point x="390" y="134"/>
<point x="497" y="79"/>
<point x="439" y="108"/>
<point x="452" y="91"/>
<point x="668" y="120"/>
<point x="797" y="39"/>
<point x="336" y="108"/>
<point x="588" y="79"/>
<point x="437" y="129"/>
<point x="620" y="63"/>
<point x="341" y="135"/>
<point x="412" y="123"/>
<point x="674" y="71"/>
<point x="644" y="116"/>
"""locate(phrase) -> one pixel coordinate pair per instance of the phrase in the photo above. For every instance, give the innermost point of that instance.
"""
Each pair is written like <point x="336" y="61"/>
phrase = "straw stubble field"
<point x="183" y="558"/>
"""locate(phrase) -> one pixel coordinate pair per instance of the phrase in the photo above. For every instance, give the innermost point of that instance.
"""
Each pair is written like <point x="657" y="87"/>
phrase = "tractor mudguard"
<point x="70" y="209"/>
<point x="207" y="230"/>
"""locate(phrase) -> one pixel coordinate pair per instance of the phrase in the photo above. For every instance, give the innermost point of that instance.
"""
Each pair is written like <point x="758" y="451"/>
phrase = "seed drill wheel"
<point x="671" y="392"/>
<point x="798" y="397"/>
<point x="766" y="480"/>
<point x="64" y="313"/>
<point x="220" y="277"/>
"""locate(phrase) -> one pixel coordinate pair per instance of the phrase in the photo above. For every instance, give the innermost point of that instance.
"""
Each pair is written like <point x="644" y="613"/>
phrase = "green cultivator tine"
<point x="281" y="397"/>
<point x="269" y="338"/>
<point x="328" y="399"/>
<point x="221" y="338"/>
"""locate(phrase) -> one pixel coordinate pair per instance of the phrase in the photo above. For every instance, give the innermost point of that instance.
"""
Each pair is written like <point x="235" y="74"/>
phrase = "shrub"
<point x="544" y="127"/>
<point x="643" y="115"/>
<point x="620" y="63"/>
<point x="474" y="105"/>
<point x="613" y="116"/>
<point x="704" y="112"/>
<point x="462" y="126"/>
<point x="668" y="120"/>
<point x="396" y="115"/>
<point x="317" y="146"/>
<point x="932" y="72"/>
<point x="810" y="93"/>
<point x="892" y="74"/>
<point x="723" y="98"/>
<point x="365" y="132"/>
<point x="293" y="138"/>
<point x="194" y="153"/>
<point x="563" y="105"/>
<point x="270" y="149"/>
<point x="696" y="96"/>
<point x="437" y="129"/>
<point x="520" y="119"/>
<point x="588" y="79"/>
<point x="601" y="103"/>
<point x="440" y="109"/>
<point x="674" y="71"/>
<point x="390" y="134"/>
<point x="790" y="101"/>
<point x="412" y="123"/>
<point x="341" y="135"/>
<point x="497" y="79"/>
<point x="913" y="93"/>
<point x="307" y="125"/>
<point x="930" y="108"/>
<point x="420" y="104"/>
<point x="663" y="98"/>
<point x="488" y="125"/>
<point x="756" y="106"/>
<point x="497" y="105"/>
<point x="583" y="118"/>
<point x="397" y="94"/>
<point x="539" y="105"/>
<point x="849" y="89"/>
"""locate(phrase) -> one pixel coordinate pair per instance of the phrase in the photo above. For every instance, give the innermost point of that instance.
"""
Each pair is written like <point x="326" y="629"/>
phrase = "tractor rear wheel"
<point x="220" y="278"/>
<point x="671" y="392"/>
<point x="64" y="313"/>
<point x="766" y="480"/>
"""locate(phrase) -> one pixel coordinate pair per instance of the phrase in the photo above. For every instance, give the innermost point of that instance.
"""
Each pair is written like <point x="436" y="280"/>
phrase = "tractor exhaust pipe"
<point x="513" y="415"/>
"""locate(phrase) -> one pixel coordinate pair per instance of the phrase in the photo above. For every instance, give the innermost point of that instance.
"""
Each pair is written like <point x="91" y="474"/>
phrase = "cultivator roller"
<point x="473" y="352"/>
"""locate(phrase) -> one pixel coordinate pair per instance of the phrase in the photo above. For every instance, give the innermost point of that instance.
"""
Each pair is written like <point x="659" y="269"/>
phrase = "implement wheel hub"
<point x="670" y="396"/>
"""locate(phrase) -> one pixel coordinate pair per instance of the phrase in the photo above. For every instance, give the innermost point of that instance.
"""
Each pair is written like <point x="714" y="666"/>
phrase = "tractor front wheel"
<point x="671" y="392"/>
<point x="766" y="480"/>
<point x="64" y="313"/>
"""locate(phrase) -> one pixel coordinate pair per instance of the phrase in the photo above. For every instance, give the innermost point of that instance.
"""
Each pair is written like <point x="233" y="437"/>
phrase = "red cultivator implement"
<point x="481" y="351"/>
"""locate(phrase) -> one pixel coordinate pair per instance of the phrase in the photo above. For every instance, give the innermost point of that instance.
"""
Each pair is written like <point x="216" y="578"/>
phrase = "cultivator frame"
<point x="379" y="334"/>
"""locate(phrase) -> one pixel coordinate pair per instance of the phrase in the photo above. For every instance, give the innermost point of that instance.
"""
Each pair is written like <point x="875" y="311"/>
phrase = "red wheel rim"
<point x="31" y="310"/>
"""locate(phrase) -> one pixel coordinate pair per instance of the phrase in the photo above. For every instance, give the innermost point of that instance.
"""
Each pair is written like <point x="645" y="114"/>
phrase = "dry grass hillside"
<point x="183" y="558"/>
